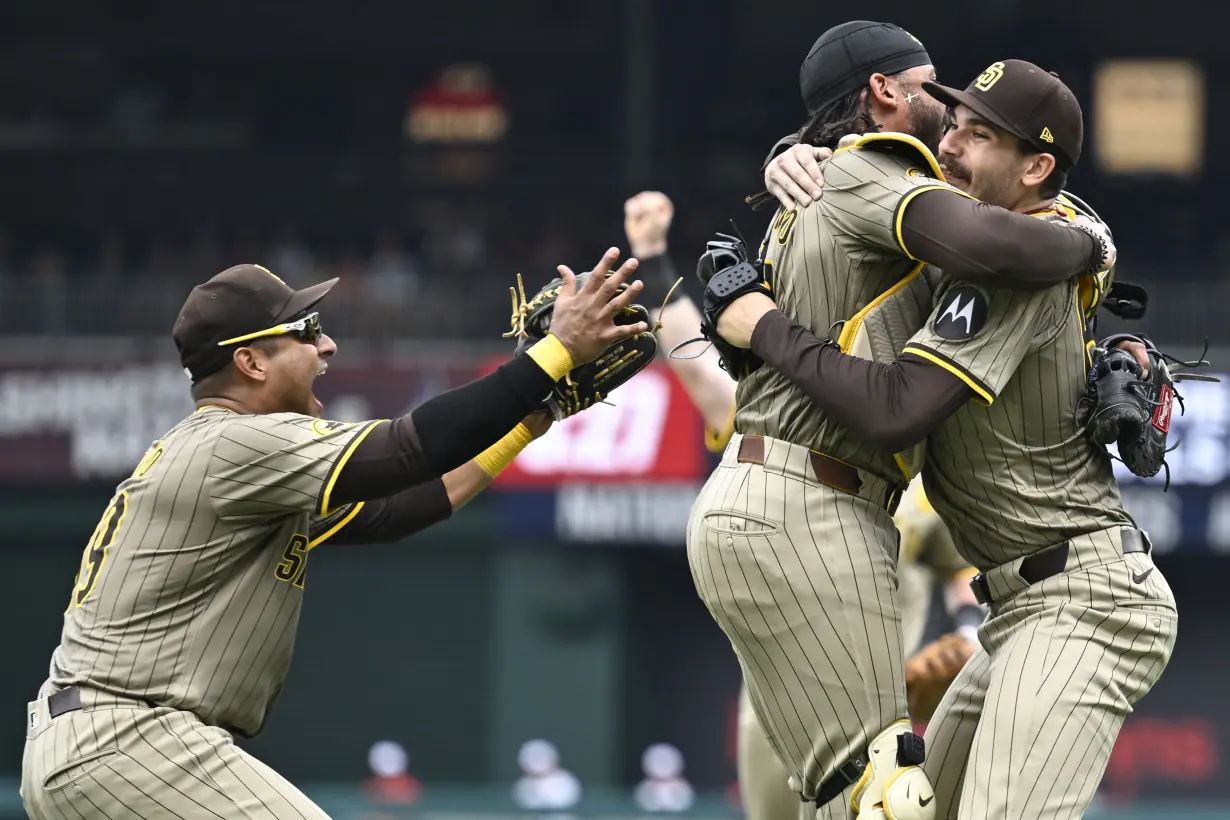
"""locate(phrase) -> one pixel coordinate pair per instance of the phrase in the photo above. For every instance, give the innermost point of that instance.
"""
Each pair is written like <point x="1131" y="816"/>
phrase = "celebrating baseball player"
<point x="791" y="541"/>
<point x="927" y="551"/>
<point x="1082" y="623"/>
<point x="179" y="630"/>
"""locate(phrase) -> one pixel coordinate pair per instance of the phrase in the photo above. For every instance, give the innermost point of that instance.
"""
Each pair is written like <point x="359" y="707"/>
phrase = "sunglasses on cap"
<point x="307" y="329"/>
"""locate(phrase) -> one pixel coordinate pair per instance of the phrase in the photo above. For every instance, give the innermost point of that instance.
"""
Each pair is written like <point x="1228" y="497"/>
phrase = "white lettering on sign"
<point x="111" y="417"/>
<point x="624" y="437"/>
<point x="644" y="513"/>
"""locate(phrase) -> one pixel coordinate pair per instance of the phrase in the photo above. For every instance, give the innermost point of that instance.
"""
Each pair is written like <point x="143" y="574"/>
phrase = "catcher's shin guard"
<point x="893" y="786"/>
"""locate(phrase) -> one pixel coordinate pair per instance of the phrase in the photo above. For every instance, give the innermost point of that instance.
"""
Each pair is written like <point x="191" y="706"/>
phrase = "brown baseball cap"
<point x="1024" y="100"/>
<point x="241" y="300"/>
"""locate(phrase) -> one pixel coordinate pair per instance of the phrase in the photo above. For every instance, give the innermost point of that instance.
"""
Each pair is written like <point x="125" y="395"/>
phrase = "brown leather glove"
<point x="931" y="670"/>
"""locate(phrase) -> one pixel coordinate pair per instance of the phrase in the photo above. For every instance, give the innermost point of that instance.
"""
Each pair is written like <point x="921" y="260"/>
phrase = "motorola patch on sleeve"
<point x="962" y="314"/>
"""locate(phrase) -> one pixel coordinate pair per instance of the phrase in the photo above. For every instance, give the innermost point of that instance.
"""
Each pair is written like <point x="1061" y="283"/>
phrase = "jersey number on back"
<point x="95" y="554"/>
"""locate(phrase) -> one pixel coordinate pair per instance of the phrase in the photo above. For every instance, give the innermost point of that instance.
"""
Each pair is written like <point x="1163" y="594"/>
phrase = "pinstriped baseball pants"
<point x="126" y="760"/>
<point x="1027" y="728"/>
<point x="762" y="777"/>
<point x="802" y="579"/>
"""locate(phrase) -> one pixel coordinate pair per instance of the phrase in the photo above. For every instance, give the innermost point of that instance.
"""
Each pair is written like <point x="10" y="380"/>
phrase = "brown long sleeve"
<point x="983" y="244"/>
<point x="398" y="516"/>
<point x="891" y="405"/>
<point x="442" y="433"/>
<point x="390" y="460"/>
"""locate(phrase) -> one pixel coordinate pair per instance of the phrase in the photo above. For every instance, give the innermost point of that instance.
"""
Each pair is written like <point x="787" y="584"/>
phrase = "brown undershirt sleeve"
<point x="891" y="405"/>
<point x="983" y="244"/>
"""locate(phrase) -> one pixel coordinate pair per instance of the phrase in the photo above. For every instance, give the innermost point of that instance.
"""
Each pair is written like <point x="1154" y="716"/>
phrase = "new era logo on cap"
<point x="1047" y="136"/>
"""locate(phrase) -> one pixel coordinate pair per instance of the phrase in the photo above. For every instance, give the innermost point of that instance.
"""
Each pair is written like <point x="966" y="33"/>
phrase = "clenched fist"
<point x="647" y="219"/>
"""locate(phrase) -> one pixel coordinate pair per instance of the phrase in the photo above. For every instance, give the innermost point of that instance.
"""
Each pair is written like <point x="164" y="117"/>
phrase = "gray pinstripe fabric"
<point x="927" y="555"/>
<point x="195" y="602"/>
<point x="802" y="579"/>
<point x="800" y="576"/>
<point x="1027" y="729"/>
<point x="830" y="261"/>
<point x="188" y="597"/>
<point x="124" y="760"/>
<point x="1018" y="476"/>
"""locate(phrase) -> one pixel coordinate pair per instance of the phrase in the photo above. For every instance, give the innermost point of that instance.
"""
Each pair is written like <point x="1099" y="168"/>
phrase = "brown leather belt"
<point x="826" y="469"/>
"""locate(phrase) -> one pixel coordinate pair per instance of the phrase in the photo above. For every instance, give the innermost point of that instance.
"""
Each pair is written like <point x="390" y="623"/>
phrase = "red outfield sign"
<point x="649" y="431"/>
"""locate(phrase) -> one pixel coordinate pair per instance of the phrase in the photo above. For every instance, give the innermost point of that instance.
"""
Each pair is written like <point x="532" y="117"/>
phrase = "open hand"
<point x="794" y="176"/>
<point x="584" y="318"/>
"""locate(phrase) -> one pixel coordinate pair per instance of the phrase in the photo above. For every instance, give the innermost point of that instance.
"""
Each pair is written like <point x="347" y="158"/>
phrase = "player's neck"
<point x="1030" y="202"/>
<point x="226" y="403"/>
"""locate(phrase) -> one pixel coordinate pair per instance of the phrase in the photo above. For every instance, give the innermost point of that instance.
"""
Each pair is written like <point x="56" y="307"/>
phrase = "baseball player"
<point x="927" y="552"/>
<point x="180" y="626"/>
<point x="1082" y="624"/>
<point x="791" y="541"/>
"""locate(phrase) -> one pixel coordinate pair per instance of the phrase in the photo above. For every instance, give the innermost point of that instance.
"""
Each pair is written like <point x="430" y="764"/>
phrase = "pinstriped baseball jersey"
<point x="840" y="262"/>
<point x="190" y="588"/>
<point x="1010" y="472"/>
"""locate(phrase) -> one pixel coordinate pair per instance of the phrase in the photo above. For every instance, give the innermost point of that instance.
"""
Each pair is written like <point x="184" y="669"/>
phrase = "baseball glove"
<point x="1122" y="404"/>
<point x="590" y="383"/>
<point x="930" y="671"/>
<point x="727" y="271"/>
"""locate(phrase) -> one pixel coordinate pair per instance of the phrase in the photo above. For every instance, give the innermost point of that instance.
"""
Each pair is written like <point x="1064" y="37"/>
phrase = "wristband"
<point x="551" y="355"/>
<point x="1099" y="249"/>
<point x="495" y="458"/>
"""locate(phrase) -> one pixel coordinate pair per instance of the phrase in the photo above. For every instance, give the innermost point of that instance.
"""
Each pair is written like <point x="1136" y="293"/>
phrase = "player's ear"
<point x="881" y="92"/>
<point x="252" y="362"/>
<point x="1037" y="168"/>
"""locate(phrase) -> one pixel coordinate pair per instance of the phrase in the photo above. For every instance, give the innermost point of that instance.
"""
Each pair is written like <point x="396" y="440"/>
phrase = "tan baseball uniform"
<point x="180" y="629"/>
<point x="1082" y="624"/>
<point x="928" y="555"/>
<point x="791" y="541"/>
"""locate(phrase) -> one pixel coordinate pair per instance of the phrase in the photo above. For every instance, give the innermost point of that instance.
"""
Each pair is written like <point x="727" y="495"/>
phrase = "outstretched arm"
<point x="419" y="507"/>
<point x="647" y="221"/>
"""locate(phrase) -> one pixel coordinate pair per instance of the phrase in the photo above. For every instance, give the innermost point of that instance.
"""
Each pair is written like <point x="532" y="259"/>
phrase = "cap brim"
<point x="306" y="298"/>
<point x="952" y="98"/>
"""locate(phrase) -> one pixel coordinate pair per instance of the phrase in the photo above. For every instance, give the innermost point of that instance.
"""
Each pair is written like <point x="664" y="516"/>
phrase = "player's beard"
<point x="927" y="122"/>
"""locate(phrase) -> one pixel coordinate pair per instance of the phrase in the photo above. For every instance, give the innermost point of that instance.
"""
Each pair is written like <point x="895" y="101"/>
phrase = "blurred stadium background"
<point x="426" y="152"/>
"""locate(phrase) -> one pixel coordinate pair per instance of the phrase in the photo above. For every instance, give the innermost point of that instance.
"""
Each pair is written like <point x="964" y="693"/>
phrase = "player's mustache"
<point x="952" y="168"/>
